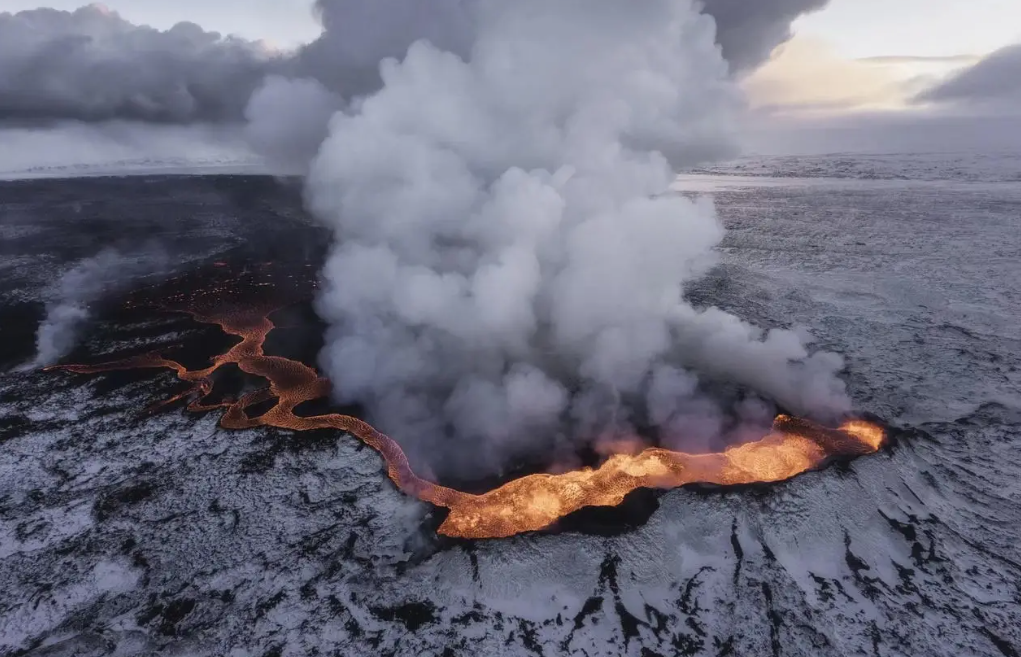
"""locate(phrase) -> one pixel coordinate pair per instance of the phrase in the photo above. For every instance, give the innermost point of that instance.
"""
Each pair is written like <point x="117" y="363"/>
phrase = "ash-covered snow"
<point x="123" y="534"/>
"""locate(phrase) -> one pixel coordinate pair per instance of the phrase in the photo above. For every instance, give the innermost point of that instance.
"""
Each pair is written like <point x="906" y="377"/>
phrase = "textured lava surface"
<point x="125" y="534"/>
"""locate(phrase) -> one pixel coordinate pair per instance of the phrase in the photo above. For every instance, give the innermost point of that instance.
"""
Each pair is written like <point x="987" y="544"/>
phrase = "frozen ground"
<point x="122" y="535"/>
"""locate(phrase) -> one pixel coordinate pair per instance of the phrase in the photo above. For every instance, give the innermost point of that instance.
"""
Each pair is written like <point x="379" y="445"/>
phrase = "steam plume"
<point x="68" y="310"/>
<point x="509" y="268"/>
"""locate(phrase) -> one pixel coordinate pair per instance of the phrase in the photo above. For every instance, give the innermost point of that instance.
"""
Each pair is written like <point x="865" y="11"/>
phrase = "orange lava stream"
<point x="527" y="504"/>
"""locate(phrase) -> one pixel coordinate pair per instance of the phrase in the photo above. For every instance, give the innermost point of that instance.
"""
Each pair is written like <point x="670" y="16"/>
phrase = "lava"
<point x="530" y="503"/>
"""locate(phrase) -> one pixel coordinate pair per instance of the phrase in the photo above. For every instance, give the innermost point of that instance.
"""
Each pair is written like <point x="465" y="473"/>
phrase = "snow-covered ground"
<point x="122" y="535"/>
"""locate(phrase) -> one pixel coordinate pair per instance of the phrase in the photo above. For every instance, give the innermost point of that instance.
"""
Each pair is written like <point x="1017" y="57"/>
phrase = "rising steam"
<point x="69" y="307"/>
<point x="509" y="265"/>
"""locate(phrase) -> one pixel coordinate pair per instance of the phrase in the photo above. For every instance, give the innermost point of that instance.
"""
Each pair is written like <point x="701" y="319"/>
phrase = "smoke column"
<point x="68" y="310"/>
<point x="509" y="265"/>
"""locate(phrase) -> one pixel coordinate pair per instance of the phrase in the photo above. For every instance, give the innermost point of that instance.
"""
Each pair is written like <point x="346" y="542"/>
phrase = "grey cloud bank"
<point x="993" y="83"/>
<point x="509" y="265"/>
<point x="509" y="268"/>
<point x="91" y="65"/>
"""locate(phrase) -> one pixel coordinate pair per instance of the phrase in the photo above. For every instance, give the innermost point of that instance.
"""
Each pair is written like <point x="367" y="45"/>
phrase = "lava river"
<point x="530" y="503"/>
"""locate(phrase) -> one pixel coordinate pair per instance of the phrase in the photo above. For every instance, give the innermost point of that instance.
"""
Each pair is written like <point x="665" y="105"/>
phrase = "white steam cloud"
<point x="69" y="307"/>
<point x="509" y="265"/>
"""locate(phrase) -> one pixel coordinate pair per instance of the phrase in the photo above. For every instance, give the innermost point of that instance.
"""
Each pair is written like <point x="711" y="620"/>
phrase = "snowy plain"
<point x="122" y="535"/>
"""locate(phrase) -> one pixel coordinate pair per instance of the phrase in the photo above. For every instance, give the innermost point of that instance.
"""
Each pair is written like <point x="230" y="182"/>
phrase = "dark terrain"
<point x="126" y="533"/>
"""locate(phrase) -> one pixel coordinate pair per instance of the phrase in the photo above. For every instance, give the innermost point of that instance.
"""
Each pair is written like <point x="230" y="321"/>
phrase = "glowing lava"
<point x="527" y="504"/>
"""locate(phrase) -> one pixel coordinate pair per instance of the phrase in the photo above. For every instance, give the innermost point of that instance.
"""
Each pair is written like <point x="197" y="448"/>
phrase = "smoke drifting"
<point x="92" y="65"/>
<point x="509" y="265"/>
<point x="358" y="35"/>
<point x="68" y="309"/>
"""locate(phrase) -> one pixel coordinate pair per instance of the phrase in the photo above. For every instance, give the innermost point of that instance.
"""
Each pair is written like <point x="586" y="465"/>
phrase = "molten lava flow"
<point x="527" y="504"/>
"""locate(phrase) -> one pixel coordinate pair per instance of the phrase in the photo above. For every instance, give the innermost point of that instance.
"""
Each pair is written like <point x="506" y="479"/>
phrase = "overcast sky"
<point x="925" y="28"/>
<point x="853" y="28"/>
<point x="850" y="62"/>
<point x="282" y="22"/>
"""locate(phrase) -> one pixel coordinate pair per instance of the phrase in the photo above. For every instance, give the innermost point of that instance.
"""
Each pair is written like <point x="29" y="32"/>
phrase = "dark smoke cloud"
<point x="92" y="65"/>
<point x="994" y="81"/>
<point x="358" y="35"/>
<point x="749" y="30"/>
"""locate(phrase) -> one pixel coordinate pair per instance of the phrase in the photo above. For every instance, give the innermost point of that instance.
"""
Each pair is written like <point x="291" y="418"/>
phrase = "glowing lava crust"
<point x="530" y="503"/>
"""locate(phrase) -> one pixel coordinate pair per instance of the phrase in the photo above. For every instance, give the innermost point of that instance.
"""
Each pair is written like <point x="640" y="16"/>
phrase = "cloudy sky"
<point x="876" y="54"/>
<point x="851" y="61"/>
<point x="852" y="55"/>
<point x="852" y="28"/>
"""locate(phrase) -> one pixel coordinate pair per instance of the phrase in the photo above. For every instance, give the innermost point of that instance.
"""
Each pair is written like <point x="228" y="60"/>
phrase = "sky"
<point x="875" y="55"/>
<point x="852" y="28"/>
<point x="852" y="55"/>
<point x="853" y="59"/>
<point x="918" y="28"/>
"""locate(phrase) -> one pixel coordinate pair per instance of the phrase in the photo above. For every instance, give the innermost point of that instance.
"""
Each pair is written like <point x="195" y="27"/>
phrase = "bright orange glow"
<point x="530" y="503"/>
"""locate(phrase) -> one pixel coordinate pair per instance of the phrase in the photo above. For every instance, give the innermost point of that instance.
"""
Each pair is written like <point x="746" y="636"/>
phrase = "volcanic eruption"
<point x="509" y="267"/>
<point x="528" y="503"/>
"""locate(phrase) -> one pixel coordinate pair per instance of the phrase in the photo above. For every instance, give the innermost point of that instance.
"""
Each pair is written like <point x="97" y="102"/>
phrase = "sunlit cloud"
<point x="807" y="76"/>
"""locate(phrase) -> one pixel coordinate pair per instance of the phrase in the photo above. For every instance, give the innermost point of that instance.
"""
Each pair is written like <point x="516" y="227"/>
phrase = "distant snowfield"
<point x="120" y="149"/>
<point x="77" y="150"/>
<point x="960" y="166"/>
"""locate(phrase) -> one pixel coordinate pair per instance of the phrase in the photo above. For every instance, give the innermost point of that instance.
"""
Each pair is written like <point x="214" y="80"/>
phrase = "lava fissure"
<point x="530" y="503"/>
